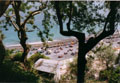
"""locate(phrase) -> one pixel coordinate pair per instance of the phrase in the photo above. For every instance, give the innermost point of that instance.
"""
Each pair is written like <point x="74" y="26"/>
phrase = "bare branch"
<point x="14" y="24"/>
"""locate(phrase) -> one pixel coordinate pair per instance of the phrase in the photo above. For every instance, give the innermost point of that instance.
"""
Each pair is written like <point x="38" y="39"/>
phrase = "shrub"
<point x="103" y="58"/>
<point x="105" y="53"/>
<point x="71" y="75"/>
<point x="50" y="39"/>
<point x="112" y="75"/>
<point x="117" y="61"/>
<point x="17" y="56"/>
<point x="34" y="58"/>
<point x="73" y="66"/>
<point x="37" y="56"/>
<point x="9" y="52"/>
<point x="14" y="72"/>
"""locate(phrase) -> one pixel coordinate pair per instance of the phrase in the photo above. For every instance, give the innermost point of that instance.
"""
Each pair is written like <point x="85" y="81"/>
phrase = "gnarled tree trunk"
<point x="81" y="68"/>
<point x="85" y="47"/>
<point x="24" y="45"/>
<point x="81" y="62"/>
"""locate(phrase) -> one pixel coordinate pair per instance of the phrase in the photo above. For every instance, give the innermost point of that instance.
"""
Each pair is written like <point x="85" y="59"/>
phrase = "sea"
<point x="11" y="37"/>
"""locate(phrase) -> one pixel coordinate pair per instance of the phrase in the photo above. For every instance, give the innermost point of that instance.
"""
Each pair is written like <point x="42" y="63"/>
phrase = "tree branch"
<point x="111" y="19"/>
<point x="107" y="20"/>
<point x="70" y="16"/>
<point x="34" y="13"/>
<point x="31" y="15"/>
<point x="16" y="6"/>
<point x="3" y="6"/>
<point x="59" y="16"/>
<point x="14" y="25"/>
<point x="78" y="35"/>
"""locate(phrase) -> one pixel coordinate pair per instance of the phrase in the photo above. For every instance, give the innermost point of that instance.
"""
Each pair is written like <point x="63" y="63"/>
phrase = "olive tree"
<point x="19" y="15"/>
<point x="79" y="16"/>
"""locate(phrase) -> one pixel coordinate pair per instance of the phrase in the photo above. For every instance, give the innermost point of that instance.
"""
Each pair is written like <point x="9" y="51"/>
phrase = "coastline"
<point x="40" y="44"/>
<point x="115" y="39"/>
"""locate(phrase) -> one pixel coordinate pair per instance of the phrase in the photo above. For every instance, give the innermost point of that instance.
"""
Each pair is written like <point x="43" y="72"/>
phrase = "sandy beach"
<point x="62" y="49"/>
<point x="40" y="44"/>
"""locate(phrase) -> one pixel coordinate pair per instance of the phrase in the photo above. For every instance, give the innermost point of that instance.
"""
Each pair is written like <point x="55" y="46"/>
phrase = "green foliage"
<point x="45" y="34"/>
<point x="9" y="52"/>
<point x="73" y="66"/>
<point x="85" y="15"/>
<point x="17" y="56"/>
<point x="46" y="77"/>
<point x="40" y="34"/>
<point x="37" y="56"/>
<point x="71" y="75"/>
<point x="94" y="81"/>
<point x="50" y="39"/>
<point x="117" y="59"/>
<point x="105" y="53"/>
<point x="26" y="8"/>
<point x="14" y="72"/>
<point x="2" y="36"/>
<point x="112" y="75"/>
<point x="34" y="58"/>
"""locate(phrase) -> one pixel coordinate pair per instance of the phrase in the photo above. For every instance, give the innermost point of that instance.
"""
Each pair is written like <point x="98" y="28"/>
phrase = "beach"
<point x="59" y="49"/>
<point x="62" y="49"/>
<point x="40" y="44"/>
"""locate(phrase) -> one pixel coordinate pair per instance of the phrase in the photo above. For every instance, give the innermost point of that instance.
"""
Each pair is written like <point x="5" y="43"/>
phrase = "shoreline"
<point x="40" y="44"/>
<point x="115" y="40"/>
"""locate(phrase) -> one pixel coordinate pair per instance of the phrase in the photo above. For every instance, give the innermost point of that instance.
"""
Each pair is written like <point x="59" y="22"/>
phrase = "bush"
<point x="17" y="56"/>
<point x="34" y="58"/>
<point x="37" y="56"/>
<point x="73" y="66"/>
<point x="14" y="72"/>
<point x="112" y="75"/>
<point x="103" y="57"/>
<point x="71" y="75"/>
<point x="9" y="52"/>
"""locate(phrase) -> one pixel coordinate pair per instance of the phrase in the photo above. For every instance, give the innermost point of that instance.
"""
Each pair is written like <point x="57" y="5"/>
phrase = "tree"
<point x="15" y="18"/>
<point x="3" y="6"/>
<point x="84" y="46"/>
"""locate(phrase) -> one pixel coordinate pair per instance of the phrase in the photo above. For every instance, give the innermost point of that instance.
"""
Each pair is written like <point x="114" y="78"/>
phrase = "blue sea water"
<point x="11" y="37"/>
